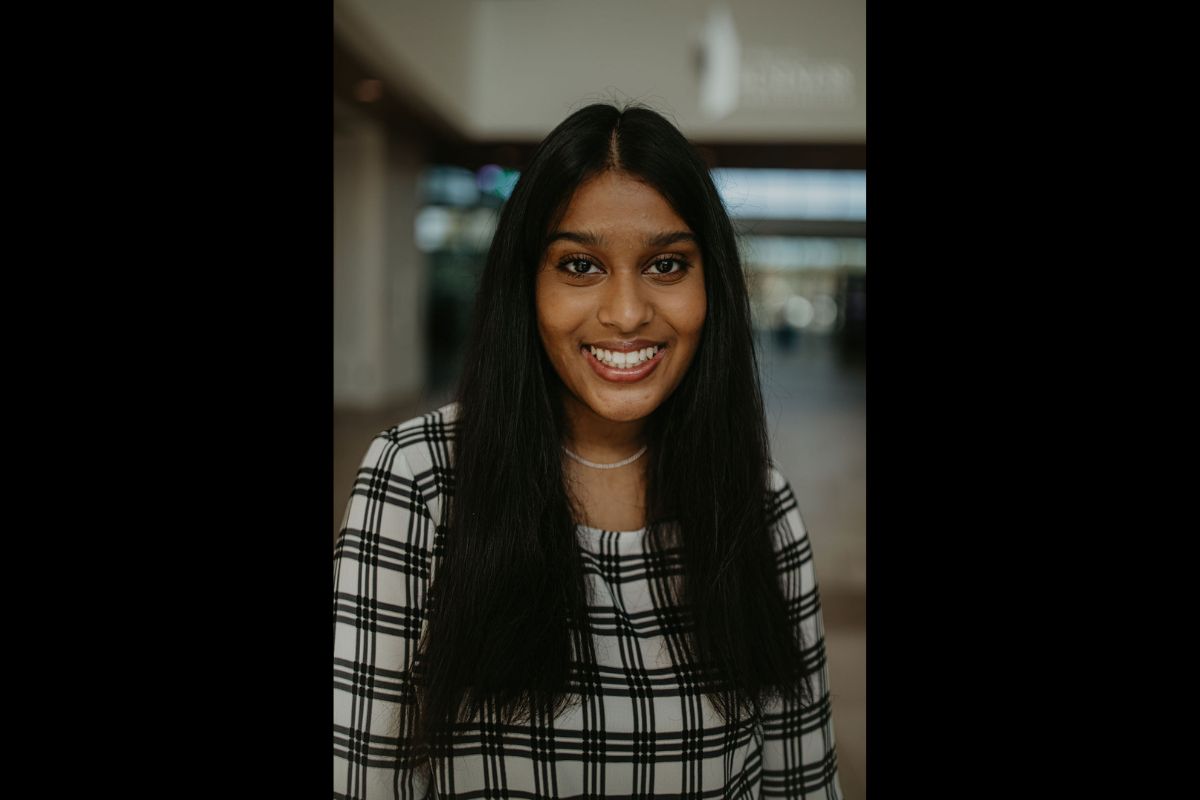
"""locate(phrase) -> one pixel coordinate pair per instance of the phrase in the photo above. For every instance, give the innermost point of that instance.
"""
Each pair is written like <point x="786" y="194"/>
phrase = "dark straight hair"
<point x="508" y="606"/>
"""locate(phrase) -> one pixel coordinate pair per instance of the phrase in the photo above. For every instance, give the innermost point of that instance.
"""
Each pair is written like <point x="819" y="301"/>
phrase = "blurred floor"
<point x="816" y="410"/>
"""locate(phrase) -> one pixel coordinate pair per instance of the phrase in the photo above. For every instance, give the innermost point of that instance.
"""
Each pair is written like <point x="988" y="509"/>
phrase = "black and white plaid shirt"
<point x="642" y="735"/>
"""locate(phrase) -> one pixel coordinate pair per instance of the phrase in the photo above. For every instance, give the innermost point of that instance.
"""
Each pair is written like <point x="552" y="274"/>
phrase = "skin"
<point x="619" y="286"/>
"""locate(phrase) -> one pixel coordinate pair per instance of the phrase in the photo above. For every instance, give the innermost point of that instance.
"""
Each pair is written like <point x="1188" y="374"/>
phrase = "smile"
<point x="621" y="367"/>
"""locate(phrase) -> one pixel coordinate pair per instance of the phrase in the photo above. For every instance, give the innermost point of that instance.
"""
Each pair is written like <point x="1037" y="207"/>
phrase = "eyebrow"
<point x="592" y="240"/>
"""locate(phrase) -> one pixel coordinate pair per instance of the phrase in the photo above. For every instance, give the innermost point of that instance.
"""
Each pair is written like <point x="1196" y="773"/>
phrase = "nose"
<point x="625" y="305"/>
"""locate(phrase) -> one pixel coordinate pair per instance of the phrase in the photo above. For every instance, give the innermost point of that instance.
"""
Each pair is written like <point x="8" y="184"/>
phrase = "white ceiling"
<point x="778" y="70"/>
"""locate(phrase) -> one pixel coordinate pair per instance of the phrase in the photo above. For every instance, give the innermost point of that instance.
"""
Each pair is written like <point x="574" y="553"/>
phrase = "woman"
<point x="585" y="578"/>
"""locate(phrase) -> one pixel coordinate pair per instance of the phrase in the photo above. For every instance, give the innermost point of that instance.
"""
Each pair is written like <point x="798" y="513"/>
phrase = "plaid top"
<point x="639" y="733"/>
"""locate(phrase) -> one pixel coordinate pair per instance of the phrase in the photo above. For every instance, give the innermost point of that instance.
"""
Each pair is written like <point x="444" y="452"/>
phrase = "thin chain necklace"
<point x="614" y="465"/>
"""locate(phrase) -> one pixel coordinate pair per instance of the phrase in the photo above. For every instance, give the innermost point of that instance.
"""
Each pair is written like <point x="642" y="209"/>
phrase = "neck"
<point x="598" y="439"/>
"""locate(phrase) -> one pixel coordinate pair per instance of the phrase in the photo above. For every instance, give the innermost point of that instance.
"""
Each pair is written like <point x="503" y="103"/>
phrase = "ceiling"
<point x="785" y="77"/>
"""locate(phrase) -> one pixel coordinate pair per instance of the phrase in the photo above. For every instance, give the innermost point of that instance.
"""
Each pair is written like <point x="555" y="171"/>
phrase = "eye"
<point x="578" y="266"/>
<point x="668" y="266"/>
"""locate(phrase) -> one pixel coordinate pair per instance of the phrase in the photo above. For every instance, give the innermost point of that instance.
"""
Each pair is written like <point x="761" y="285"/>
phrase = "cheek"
<point x="689" y="313"/>
<point x="554" y="317"/>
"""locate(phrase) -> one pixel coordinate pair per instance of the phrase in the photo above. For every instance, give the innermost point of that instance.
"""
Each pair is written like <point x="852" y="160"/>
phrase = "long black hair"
<point x="508" y="604"/>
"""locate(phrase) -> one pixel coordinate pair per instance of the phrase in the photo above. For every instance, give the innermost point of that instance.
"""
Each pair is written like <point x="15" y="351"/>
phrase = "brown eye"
<point x="578" y="267"/>
<point x="667" y="266"/>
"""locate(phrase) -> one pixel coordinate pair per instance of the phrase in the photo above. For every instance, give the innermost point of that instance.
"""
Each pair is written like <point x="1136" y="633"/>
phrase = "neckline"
<point x="602" y="532"/>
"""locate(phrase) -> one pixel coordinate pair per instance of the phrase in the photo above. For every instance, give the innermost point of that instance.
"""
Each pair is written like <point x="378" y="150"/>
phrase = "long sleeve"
<point x="382" y="569"/>
<point x="799" y="755"/>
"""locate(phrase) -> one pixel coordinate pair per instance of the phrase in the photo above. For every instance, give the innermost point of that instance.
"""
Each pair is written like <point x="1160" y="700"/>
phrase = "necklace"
<point x="620" y="463"/>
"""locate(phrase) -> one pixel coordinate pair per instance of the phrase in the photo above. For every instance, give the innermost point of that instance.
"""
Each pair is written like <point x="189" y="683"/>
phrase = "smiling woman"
<point x="585" y="577"/>
<point x="600" y="311"/>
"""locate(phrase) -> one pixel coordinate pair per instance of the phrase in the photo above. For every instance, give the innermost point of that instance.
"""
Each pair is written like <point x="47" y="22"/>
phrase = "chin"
<point x="627" y="415"/>
<point x="623" y="411"/>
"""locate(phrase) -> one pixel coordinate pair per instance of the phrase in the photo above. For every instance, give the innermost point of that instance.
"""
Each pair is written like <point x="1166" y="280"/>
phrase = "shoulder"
<point x="781" y="500"/>
<point x="783" y="512"/>
<point x="423" y="440"/>
<point x="418" y="454"/>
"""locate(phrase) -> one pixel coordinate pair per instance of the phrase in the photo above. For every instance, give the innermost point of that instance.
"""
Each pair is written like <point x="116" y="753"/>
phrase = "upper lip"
<point x="624" y="345"/>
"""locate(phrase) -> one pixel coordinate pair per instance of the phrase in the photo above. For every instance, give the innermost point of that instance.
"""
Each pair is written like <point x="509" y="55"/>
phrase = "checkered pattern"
<point x="643" y="730"/>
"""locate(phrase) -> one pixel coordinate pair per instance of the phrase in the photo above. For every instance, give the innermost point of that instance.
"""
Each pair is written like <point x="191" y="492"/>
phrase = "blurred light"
<point x="461" y="230"/>
<point x="507" y="182"/>
<point x="487" y="177"/>
<point x="369" y="90"/>
<point x="432" y="227"/>
<point x="793" y="193"/>
<point x="495" y="180"/>
<point x="451" y="186"/>
<point x="825" y="312"/>
<point x="791" y="253"/>
<point x="798" y="311"/>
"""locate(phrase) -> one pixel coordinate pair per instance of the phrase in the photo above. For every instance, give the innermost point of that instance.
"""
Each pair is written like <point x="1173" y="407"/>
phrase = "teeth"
<point x="620" y="360"/>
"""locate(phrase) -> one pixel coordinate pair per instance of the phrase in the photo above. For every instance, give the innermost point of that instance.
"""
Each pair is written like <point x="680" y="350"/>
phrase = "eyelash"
<point x="684" y="266"/>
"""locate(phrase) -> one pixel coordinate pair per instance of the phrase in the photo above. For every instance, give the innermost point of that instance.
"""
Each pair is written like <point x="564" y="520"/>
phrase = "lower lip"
<point x="623" y="375"/>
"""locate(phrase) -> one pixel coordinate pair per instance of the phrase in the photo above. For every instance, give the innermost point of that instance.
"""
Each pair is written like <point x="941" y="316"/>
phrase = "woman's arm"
<point x="382" y="565"/>
<point x="799" y="758"/>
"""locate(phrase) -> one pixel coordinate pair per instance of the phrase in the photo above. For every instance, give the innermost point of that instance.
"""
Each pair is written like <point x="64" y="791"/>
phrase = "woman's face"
<point x="622" y="274"/>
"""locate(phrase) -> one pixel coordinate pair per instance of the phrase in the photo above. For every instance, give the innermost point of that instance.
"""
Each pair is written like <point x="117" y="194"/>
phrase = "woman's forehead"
<point x="616" y="205"/>
<point x="594" y="238"/>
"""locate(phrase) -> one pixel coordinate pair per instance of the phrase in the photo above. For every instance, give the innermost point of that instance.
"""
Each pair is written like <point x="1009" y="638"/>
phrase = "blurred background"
<point x="436" y="108"/>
